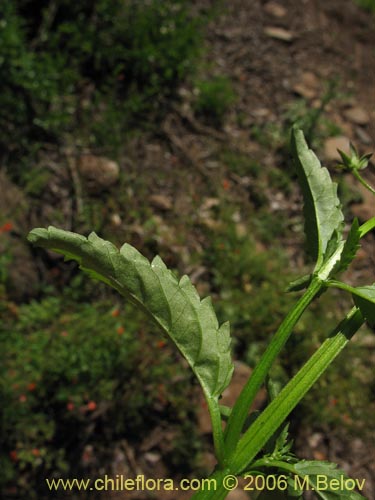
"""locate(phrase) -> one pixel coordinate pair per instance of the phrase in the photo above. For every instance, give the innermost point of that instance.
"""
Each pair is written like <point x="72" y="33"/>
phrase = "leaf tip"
<point x="36" y="235"/>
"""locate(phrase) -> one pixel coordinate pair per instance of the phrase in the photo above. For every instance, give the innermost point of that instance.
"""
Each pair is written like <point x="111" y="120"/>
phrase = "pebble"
<point x="279" y="33"/>
<point x="363" y="136"/>
<point x="99" y="172"/>
<point x="357" y="115"/>
<point x="331" y="146"/>
<point x="160" y="201"/>
<point x="308" y="86"/>
<point x="237" y="495"/>
<point x="275" y="9"/>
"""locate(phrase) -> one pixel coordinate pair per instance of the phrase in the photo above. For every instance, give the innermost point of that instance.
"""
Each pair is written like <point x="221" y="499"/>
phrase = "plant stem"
<point x="241" y="408"/>
<point x="276" y="412"/>
<point x="217" y="430"/>
<point x="367" y="227"/>
<point x="216" y="490"/>
<point x="363" y="182"/>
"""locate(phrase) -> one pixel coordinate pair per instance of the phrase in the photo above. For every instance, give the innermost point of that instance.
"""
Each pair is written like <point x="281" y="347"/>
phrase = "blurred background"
<point x="165" y="124"/>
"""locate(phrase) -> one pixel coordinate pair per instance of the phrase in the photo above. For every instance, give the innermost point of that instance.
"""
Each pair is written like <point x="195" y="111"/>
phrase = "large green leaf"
<point x="323" y="216"/>
<point x="174" y="305"/>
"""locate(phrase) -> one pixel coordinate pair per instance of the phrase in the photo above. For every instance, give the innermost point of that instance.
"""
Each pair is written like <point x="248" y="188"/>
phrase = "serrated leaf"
<point x="323" y="215"/>
<point x="174" y="305"/>
<point x="350" y="249"/>
<point x="328" y="482"/>
<point x="299" y="283"/>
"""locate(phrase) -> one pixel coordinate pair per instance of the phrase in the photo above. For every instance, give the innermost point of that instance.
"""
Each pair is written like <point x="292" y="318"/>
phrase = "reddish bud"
<point x="70" y="406"/>
<point x="91" y="405"/>
<point x="5" y="228"/>
<point x="226" y="184"/>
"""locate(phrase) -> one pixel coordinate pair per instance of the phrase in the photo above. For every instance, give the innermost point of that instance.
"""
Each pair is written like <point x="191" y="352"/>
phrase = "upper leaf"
<point x="323" y="216"/>
<point x="350" y="249"/>
<point x="174" y="305"/>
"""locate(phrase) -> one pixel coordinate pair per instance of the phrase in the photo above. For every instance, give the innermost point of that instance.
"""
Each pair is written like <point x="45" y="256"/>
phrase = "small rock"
<point x="275" y="9"/>
<point x="279" y="33"/>
<point x="333" y="144"/>
<point x="116" y="220"/>
<point x="320" y="455"/>
<point x="363" y="136"/>
<point x="160" y="201"/>
<point x="357" y="115"/>
<point x="209" y="203"/>
<point x="261" y="113"/>
<point x="237" y="495"/>
<point x="152" y="457"/>
<point x="99" y="172"/>
<point x="308" y="86"/>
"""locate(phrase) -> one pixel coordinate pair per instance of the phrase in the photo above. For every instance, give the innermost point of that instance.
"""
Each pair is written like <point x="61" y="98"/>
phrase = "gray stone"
<point x="98" y="172"/>
<point x="331" y="146"/>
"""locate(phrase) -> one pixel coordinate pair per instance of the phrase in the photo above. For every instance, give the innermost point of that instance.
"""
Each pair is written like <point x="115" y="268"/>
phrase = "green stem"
<point x="363" y="182"/>
<point x="367" y="227"/>
<point x="241" y="408"/>
<point x="216" y="490"/>
<point x="276" y="412"/>
<point x="217" y="430"/>
<point x="267" y="462"/>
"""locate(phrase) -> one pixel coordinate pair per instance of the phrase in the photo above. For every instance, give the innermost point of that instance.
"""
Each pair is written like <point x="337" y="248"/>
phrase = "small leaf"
<point x="322" y="210"/>
<point x="299" y="284"/>
<point x="350" y="249"/>
<point x="174" y="305"/>
<point x="328" y="482"/>
<point x="367" y="227"/>
<point x="363" y="296"/>
<point x="364" y="299"/>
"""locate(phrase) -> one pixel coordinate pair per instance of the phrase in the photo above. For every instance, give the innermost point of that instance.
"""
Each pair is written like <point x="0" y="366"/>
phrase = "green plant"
<point x="311" y="119"/>
<point x="259" y="446"/>
<point x="367" y="4"/>
<point x="98" y="68"/>
<point x="214" y="97"/>
<point x="76" y="375"/>
<point x="354" y="163"/>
